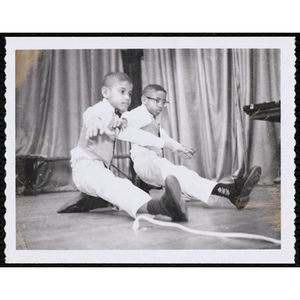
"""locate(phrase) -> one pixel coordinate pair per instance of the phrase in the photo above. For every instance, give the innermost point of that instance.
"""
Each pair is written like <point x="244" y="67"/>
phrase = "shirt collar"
<point x="108" y="105"/>
<point x="146" y="110"/>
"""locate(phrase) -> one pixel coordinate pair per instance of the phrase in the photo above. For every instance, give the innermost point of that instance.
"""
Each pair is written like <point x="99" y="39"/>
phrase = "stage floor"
<point x="40" y="227"/>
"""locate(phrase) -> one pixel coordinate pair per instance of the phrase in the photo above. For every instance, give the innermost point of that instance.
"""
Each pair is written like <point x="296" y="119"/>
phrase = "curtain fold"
<point x="207" y="90"/>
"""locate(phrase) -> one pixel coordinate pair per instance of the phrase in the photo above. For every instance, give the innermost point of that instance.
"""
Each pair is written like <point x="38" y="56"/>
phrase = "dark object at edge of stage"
<point x="267" y="111"/>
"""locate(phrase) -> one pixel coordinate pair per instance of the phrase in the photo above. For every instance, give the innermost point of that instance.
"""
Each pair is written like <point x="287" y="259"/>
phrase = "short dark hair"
<point x="153" y="87"/>
<point x="113" y="76"/>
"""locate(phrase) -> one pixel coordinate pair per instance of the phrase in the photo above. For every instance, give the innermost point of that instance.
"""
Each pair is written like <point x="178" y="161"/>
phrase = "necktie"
<point x="118" y="113"/>
<point x="158" y="133"/>
<point x="158" y="126"/>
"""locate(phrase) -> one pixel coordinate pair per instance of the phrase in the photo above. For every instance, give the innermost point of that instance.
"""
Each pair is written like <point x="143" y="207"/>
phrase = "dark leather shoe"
<point x="83" y="203"/>
<point x="244" y="186"/>
<point x="172" y="201"/>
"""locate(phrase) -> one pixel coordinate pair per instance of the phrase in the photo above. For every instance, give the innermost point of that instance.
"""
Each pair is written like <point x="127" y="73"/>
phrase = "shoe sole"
<point x="83" y="204"/>
<point x="71" y="209"/>
<point x="179" y="208"/>
<point x="70" y="206"/>
<point x="252" y="180"/>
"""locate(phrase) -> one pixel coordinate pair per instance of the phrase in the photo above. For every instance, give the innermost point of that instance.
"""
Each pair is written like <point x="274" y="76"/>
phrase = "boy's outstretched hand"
<point x="95" y="126"/>
<point x="184" y="152"/>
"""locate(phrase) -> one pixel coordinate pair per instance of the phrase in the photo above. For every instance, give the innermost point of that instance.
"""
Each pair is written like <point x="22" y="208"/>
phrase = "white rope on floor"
<point x="206" y="233"/>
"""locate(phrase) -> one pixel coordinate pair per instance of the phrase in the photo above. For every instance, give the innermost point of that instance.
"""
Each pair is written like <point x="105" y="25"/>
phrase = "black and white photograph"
<point x="150" y="150"/>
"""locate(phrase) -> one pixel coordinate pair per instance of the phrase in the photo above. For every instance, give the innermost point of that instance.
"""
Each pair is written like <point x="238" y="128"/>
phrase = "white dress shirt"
<point x="101" y="147"/>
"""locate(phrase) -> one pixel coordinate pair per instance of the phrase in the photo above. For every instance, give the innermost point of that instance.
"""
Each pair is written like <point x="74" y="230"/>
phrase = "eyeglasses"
<point x="158" y="101"/>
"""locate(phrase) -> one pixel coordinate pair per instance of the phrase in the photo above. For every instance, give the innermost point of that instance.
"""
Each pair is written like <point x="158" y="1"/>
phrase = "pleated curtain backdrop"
<point x="53" y="89"/>
<point x="60" y="85"/>
<point x="207" y="89"/>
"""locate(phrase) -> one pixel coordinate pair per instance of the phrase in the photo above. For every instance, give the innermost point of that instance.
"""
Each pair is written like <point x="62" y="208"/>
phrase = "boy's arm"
<point x="180" y="150"/>
<point x="95" y="118"/>
<point x="133" y="133"/>
<point x="140" y="137"/>
<point x="135" y="120"/>
<point x="144" y="138"/>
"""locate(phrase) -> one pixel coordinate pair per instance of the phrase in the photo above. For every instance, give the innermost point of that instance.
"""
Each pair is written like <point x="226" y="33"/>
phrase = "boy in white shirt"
<point x="93" y="154"/>
<point x="153" y="168"/>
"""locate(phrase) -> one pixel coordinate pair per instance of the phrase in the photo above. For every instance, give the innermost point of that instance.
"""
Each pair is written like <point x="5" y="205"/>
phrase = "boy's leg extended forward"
<point x="92" y="178"/>
<point x="154" y="170"/>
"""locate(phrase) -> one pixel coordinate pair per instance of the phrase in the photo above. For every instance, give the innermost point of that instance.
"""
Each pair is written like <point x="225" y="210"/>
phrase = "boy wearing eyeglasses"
<point x="91" y="159"/>
<point x="152" y="168"/>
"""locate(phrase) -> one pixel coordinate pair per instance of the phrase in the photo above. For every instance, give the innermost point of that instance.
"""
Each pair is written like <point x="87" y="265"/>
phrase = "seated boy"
<point x="153" y="168"/>
<point x="93" y="154"/>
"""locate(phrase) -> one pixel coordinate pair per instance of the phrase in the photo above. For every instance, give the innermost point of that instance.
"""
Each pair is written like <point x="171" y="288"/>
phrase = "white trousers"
<point x="153" y="170"/>
<point x="91" y="177"/>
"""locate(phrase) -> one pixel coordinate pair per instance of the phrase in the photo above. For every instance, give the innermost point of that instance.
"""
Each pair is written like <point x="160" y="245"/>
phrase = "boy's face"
<point x="154" y="107"/>
<point x="118" y="94"/>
